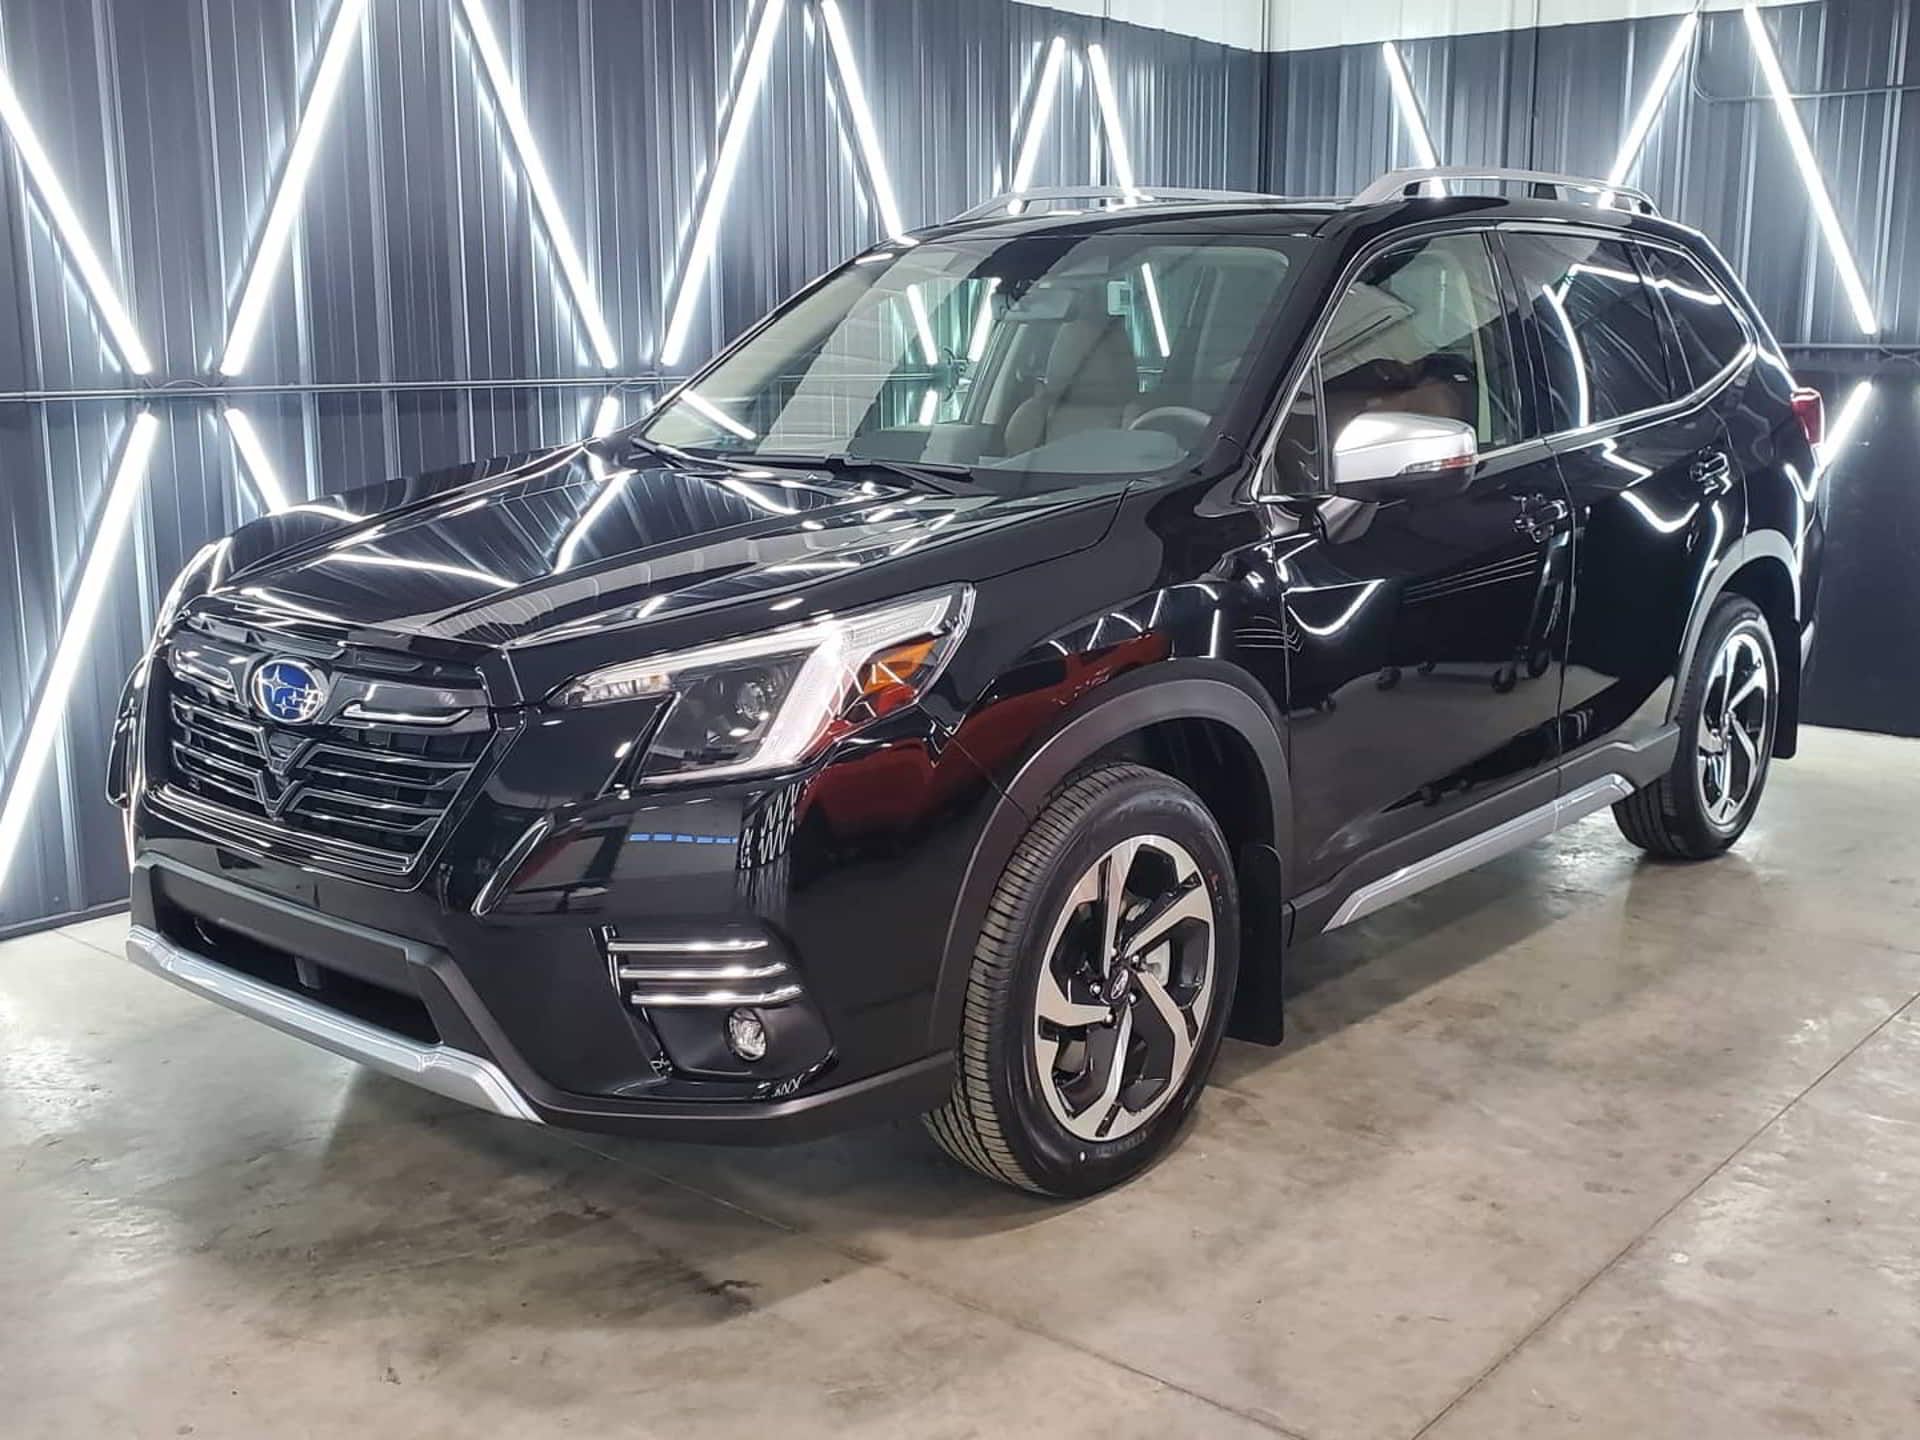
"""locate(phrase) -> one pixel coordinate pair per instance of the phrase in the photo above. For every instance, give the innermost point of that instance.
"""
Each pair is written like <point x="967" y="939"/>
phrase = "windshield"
<point x="1046" y="357"/>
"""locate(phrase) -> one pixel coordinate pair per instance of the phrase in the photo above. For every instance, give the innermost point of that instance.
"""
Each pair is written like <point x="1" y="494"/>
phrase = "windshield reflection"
<point x="1052" y="357"/>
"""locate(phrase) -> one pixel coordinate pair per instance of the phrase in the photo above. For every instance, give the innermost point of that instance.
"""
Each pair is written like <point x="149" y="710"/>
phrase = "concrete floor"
<point x="1577" y="1145"/>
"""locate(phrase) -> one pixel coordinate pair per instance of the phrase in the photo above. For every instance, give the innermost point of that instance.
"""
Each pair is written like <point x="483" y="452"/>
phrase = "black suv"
<point x="958" y="697"/>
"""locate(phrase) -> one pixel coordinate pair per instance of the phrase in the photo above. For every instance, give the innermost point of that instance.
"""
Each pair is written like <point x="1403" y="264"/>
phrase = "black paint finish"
<point x="1347" y="683"/>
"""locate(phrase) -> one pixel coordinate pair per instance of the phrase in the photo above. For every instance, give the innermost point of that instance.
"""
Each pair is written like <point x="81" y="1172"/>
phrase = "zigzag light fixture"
<point x="73" y="235"/>
<point x="879" y="181"/>
<point x="1111" y="125"/>
<point x="1840" y="434"/>
<point x="96" y="573"/>
<point x="1816" y="185"/>
<point x="726" y="164"/>
<point x="506" y="94"/>
<point x="253" y="455"/>
<point x="1027" y="152"/>
<point x="276" y="236"/>
<point x="1411" y="115"/>
<point x="1656" y="98"/>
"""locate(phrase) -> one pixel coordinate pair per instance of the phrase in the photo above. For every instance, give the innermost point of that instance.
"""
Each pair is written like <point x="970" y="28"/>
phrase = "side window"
<point x="1424" y="330"/>
<point x="1710" y="334"/>
<point x="1598" y="328"/>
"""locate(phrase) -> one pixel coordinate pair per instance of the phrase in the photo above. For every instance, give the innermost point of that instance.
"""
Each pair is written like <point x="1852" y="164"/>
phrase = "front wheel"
<point x="1099" y="990"/>
<point x="1728" y="714"/>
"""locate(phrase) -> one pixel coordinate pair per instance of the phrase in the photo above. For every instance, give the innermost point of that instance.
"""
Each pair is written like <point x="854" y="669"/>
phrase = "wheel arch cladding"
<point x="1762" y="566"/>
<point x="1201" y="722"/>
<point x="1767" y="583"/>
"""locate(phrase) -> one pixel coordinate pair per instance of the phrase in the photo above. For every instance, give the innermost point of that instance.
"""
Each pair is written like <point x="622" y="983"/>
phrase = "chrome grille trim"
<point x="671" y="1000"/>
<point x="720" y="971"/>
<point x="346" y="794"/>
<point x="684" y="947"/>
<point x="219" y="822"/>
<point x="690" y="972"/>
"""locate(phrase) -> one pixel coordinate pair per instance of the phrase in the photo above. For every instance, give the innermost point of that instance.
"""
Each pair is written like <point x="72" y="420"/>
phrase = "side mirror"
<point x="1391" y="455"/>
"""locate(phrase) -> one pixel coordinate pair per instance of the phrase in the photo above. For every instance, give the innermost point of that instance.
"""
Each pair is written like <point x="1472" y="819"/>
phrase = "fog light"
<point x="746" y="1036"/>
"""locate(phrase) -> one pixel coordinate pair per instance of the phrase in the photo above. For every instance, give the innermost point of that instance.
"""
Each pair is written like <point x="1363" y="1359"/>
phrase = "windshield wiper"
<point x="941" y="478"/>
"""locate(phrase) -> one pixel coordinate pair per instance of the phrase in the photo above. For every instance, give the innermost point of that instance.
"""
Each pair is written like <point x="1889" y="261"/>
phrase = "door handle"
<point x="1713" y="474"/>
<point x="1541" y="519"/>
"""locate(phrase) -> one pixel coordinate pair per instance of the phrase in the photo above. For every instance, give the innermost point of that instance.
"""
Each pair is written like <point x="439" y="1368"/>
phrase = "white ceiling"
<point x="1313" y="24"/>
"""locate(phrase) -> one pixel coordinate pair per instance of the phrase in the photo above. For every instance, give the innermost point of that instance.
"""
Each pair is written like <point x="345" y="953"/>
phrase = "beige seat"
<point x="1091" y="379"/>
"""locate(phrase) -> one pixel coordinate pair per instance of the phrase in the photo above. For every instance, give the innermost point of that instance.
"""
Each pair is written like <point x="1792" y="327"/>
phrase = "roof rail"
<point x="1540" y="184"/>
<point x="1118" y="197"/>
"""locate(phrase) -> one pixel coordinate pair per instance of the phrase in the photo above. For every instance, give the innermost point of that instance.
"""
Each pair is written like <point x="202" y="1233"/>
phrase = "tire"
<point x="1708" y="798"/>
<point x="1015" y="1113"/>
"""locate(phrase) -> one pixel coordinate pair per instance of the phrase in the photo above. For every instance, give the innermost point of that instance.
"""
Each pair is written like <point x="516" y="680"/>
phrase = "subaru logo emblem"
<point x="287" y="691"/>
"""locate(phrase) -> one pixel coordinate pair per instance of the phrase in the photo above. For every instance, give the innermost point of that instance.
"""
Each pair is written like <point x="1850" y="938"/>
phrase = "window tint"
<point x="1423" y="330"/>
<point x="1596" y="324"/>
<point x="1710" y="334"/>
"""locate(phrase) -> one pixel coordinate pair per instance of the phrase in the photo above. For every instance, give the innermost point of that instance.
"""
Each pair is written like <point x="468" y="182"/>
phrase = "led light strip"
<point x="1110" y="122"/>
<point x="1158" y="315"/>
<point x="1411" y="116"/>
<point x="96" y="572"/>
<point x="879" y="181"/>
<point x="983" y="322"/>
<point x="1802" y="149"/>
<point x="1028" y="155"/>
<point x="1848" y="420"/>
<point x="1677" y="51"/>
<point x="507" y="94"/>
<point x="277" y="234"/>
<point x="726" y="162"/>
<point x="696" y="401"/>
<point x="864" y="130"/>
<point x="266" y="481"/>
<point x="66" y="224"/>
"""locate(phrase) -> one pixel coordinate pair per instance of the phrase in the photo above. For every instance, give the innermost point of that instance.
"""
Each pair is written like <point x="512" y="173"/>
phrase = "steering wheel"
<point x="1186" y="418"/>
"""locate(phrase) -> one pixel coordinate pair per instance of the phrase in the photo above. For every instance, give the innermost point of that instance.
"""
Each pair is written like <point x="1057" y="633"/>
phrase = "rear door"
<point x="1647" y="465"/>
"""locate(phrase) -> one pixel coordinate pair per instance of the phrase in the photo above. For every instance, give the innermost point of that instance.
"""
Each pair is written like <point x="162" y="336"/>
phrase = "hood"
<point x="595" y="541"/>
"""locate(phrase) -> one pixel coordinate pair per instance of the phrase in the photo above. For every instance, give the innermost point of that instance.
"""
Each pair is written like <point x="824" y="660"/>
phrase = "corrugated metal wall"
<point x="420" y="268"/>
<point x="1560" y="98"/>
<point x="423" y="317"/>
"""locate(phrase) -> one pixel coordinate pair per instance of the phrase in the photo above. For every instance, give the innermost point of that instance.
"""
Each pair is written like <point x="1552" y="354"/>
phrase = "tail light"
<point x="1811" y="411"/>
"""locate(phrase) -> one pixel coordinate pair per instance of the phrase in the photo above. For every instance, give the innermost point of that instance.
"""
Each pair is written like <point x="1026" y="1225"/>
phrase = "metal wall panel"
<point x="422" y="315"/>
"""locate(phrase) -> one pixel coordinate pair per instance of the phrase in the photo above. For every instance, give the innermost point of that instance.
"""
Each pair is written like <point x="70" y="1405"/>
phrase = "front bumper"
<point x="439" y="1068"/>
<point x="430" y="1027"/>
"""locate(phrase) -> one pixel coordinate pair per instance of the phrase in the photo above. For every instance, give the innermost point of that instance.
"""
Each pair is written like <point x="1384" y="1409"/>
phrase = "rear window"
<point x="1709" y="334"/>
<point x="1597" y="326"/>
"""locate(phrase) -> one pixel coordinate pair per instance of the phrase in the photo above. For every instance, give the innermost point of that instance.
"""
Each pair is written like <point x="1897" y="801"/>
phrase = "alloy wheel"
<point x="1736" y="728"/>
<point x="1125" y="988"/>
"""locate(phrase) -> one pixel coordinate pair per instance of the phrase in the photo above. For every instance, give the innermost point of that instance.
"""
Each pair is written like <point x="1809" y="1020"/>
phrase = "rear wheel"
<point x="1100" y="987"/>
<point x="1728" y="715"/>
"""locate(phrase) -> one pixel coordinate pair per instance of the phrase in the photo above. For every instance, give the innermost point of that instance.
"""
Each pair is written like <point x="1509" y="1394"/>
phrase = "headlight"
<point x="773" y="701"/>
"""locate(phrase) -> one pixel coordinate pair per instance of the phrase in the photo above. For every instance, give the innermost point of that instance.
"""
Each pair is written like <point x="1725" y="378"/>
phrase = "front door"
<point x="1425" y="634"/>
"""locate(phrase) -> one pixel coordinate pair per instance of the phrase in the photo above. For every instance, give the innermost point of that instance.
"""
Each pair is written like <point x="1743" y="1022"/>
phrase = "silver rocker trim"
<point x="1477" y="850"/>
<point x="439" y="1068"/>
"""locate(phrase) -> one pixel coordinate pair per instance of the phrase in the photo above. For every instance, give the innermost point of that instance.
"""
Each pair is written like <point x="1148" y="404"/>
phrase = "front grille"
<point x="346" y="792"/>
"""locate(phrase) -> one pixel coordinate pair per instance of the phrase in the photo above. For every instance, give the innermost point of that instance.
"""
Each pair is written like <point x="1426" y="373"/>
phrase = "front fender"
<point x="1205" y="690"/>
